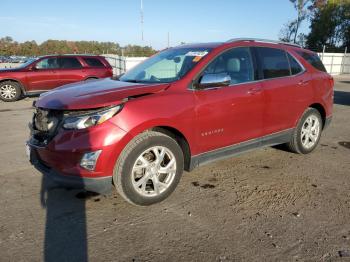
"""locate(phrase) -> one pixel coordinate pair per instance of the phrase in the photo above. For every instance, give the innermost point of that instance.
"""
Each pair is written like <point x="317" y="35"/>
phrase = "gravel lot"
<point x="266" y="205"/>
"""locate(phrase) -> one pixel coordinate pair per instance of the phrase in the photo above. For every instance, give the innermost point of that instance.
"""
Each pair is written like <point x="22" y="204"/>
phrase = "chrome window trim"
<point x="191" y="88"/>
<point x="300" y="64"/>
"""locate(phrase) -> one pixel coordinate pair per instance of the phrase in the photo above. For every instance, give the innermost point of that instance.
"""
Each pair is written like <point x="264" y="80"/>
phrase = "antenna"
<point x="141" y="13"/>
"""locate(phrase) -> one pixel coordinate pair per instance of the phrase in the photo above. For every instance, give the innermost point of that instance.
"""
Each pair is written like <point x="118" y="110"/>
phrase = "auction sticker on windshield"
<point x="197" y="53"/>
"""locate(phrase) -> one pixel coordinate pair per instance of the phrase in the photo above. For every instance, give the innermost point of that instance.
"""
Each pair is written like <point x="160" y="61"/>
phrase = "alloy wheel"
<point x="8" y="91"/>
<point x="154" y="171"/>
<point x="310" y="131"/>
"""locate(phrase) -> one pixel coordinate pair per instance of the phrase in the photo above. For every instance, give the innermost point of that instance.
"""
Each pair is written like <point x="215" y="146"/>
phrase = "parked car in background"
<point x="181" y="108"/>
<point x="47" y="72"/>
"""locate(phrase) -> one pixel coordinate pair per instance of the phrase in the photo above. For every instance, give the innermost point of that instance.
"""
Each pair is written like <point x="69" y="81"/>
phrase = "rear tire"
<point x="149" y="168"/>
<point x="307" y="134"/>
<point x="10" y="91"/>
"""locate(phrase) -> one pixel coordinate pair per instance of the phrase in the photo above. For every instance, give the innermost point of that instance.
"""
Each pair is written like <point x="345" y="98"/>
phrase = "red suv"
<point x="47" y="72"/>
<point x="182" y="108"/>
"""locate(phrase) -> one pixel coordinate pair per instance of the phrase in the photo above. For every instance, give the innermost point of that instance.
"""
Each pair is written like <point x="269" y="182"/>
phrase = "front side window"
<point x="47" y="63"/>
<point x="68" y="62"/>
<point x="167" y="66"/>
<point x="237" y="63"/>
<point x="273" y="62"/>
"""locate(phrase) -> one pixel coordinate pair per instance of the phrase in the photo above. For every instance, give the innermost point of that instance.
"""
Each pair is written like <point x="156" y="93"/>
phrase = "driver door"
<point x="43" y="75"/>
<point x="231" y="114"/>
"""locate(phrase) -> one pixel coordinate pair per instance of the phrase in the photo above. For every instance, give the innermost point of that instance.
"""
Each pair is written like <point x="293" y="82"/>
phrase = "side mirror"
<point x="214" y="80"/>
<point x="33" y="68"/>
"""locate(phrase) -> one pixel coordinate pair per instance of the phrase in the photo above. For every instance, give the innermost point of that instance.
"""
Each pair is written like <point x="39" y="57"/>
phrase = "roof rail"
<point x="262" y="41"/>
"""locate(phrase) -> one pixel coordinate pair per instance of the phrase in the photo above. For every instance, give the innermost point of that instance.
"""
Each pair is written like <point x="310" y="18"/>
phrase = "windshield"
<point x="28" y="62"/>
<point x="167" y="66"/>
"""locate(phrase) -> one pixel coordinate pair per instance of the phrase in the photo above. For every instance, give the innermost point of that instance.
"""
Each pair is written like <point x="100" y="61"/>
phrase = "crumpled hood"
<point x="94" y="94"/>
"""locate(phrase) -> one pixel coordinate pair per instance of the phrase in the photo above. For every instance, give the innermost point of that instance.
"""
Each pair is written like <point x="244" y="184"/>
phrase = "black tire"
<point x="296" y="145"/>
<point x="122" y="175"/>
<point x="16" y="89"/>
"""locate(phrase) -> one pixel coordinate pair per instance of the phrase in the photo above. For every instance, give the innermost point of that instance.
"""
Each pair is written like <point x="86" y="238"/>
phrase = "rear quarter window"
<point x="93" y="62"/>
<point x="313" y="60"/>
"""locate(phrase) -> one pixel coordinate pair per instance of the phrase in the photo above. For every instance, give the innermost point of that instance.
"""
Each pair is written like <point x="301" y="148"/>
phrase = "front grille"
<point x="45" y="124"/>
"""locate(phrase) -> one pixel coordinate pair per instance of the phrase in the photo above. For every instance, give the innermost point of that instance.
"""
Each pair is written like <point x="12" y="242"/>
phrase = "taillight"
<point x="331" y="81"/>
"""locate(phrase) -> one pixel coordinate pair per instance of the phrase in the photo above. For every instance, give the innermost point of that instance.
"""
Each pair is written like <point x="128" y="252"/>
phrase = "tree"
<point x="330" y="26"/>
<point x="290" y="31"/>
<point x="30" y="48"/>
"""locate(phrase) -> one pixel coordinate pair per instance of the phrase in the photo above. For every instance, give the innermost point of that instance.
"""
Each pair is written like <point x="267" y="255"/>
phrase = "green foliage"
<point x="330" y="26"/>
<point x="30" y="48"/>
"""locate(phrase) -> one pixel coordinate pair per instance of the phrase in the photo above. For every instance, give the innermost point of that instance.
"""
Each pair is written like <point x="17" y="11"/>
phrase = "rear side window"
<point x="68" y="62"/>
<point x="273" y="62"/>
<point x="93" y="62"/>
<point x="295" y="67"/>
<point x="313" y="60"/>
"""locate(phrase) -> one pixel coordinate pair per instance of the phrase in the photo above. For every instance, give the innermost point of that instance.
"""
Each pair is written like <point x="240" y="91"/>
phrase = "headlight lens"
<point x="85" y="121"/>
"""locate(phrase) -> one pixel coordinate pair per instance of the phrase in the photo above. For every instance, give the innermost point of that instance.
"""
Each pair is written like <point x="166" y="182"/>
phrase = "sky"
<point x="119" y="20"/>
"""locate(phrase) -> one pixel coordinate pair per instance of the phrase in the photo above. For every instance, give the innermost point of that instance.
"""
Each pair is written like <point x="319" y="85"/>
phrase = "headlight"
<point x="92" y="119"/>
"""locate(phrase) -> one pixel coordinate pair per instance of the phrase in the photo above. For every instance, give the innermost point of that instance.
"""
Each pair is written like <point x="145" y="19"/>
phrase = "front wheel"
<point x="10" y="91"/>
<point x="307" y="134"/>
<point x="149" y="168"/>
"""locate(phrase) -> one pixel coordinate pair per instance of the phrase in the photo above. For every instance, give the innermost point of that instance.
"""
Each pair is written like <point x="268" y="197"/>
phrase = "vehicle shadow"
<point x="65" y="227"/>
<point x="342" y="98"/>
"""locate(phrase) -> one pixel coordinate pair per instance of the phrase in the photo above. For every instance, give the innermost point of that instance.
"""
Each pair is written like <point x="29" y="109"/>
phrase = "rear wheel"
<point x="307" y="134"/>
<point x="10" y="91"/>
<point x="149" y="168"/>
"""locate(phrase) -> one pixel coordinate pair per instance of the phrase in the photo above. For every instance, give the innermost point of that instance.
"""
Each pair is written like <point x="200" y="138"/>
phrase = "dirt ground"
<point x="266" y="205"/>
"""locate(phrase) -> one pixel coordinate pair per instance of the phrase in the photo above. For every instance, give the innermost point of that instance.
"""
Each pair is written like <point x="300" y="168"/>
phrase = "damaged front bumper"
<point x="100" y="185"/>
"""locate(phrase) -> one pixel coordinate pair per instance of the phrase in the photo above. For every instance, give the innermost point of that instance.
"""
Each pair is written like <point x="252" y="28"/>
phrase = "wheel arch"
<point x="90" y="77"/>
<point x="180" y="139"/>
<point x="321" y="109"/>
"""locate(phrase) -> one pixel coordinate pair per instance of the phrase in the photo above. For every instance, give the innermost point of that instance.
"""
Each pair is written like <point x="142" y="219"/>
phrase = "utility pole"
<point x="168" y="39"/>
<point x="141" y="13"/>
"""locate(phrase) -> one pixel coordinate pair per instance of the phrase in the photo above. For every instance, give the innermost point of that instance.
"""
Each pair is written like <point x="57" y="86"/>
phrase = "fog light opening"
<point x="89" y="160"/>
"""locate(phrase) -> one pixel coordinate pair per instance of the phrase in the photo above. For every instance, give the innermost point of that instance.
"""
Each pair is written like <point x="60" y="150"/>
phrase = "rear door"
<point x="284" y="88"/>
<point x="70" y="70"/>
<point x="232" y="114"/>
<point x="43" y="75"/>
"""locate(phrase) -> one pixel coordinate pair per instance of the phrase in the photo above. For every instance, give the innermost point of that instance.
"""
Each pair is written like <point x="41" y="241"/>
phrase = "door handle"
<point x="254" y="91"/>
<point x="303" y="82"/>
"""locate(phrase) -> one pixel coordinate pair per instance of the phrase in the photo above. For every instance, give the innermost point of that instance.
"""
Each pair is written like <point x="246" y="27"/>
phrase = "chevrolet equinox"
<point x="182" y="108"/>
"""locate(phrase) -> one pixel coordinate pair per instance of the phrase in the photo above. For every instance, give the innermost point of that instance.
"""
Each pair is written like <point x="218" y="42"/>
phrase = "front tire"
<point x="149" y="168"/>
<point x="307" y="134"/>
<point x="10" y="91"/>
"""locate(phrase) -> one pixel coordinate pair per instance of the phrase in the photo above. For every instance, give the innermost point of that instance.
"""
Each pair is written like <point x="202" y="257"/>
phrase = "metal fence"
<point x="336" y="61"/>
<point x="118" y="63"/>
